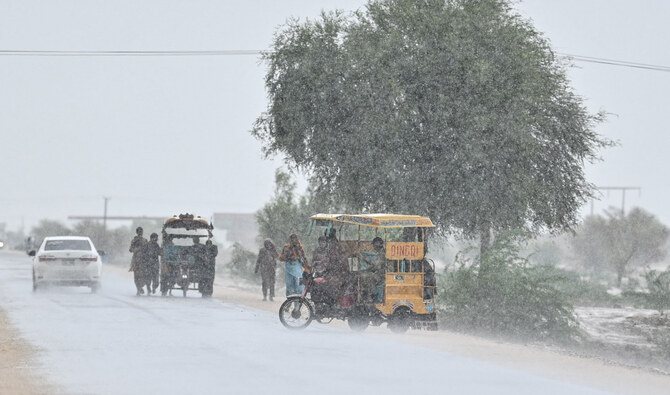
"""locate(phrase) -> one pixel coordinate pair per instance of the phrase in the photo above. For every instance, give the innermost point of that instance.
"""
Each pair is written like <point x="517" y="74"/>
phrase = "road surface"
<point x="114" y="342"/>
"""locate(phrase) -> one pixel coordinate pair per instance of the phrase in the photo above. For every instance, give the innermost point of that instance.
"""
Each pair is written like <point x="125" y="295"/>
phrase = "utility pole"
<point x="104" y="221"/>
<point x="623" y="196"/>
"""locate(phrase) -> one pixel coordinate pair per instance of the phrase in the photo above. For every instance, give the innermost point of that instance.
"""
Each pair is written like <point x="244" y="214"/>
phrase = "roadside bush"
<point x="658" y="284"/>
<point x="502" y="294"/>
<point x="242" y="263"/>
<point x="657" y="295"/>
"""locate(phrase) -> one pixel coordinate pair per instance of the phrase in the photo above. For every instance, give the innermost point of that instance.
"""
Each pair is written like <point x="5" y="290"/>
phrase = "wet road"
<point x="114" y="342"/>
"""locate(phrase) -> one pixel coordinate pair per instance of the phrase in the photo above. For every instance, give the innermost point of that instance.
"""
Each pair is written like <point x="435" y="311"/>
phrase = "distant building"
<point x="231" y="228"/>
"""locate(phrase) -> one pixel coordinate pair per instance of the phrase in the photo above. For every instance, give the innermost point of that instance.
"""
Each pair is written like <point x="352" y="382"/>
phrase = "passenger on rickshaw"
<point x="373" y="273"/>
<point x="293" y="255"/>
<point x="320" y="257"/>
<point x="336" y="271"/>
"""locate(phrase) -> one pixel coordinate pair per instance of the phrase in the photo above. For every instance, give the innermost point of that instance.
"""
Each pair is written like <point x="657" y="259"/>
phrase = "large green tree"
<point x="619" y="243"/>
<point x="457" y="109"/>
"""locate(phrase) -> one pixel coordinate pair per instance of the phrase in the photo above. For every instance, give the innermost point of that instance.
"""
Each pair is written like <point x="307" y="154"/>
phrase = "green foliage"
<point x="619" y="243"/>
<point x="285" y="214"/>
<point x="242" y="263"/>
<point x="658" y="284"/>
<point x="457" y="110"/>
<point x="15" y="240"/>
<point x="46" y="228"/>
<point x="502" y="294"/>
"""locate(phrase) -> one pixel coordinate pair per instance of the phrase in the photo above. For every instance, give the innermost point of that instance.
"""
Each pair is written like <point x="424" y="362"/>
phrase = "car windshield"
<point x="55" y="245"/>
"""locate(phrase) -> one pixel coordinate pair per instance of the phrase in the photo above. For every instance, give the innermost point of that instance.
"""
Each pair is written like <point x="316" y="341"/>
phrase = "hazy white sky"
<point x="163" y="135"/>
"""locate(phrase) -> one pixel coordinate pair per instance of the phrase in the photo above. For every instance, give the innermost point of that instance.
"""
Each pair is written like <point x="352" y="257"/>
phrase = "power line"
<point x="613" y="62"/>
<point x="234" y="52"/>
<point x="247" y="52"/>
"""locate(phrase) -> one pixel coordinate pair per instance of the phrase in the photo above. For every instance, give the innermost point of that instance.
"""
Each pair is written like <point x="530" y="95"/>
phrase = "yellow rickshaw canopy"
<point x="378" y="220"/>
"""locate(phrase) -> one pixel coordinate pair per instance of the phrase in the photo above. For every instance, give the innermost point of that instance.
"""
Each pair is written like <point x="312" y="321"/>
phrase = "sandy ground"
<point x="16" y="376"/>
<point x="16" y="363"/>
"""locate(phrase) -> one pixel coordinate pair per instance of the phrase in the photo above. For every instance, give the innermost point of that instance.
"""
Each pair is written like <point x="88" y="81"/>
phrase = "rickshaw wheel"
<point x="400" y="320"/>
<point x="296" y="313"/>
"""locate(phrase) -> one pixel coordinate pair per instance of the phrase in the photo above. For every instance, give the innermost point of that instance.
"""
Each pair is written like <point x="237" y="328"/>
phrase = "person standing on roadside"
<point x="266" y="264"/>
<point x="136" y="262"/>
<point x="209" y="270"/>
<point x="293" y="255"/>
<point x="151" y="252"/>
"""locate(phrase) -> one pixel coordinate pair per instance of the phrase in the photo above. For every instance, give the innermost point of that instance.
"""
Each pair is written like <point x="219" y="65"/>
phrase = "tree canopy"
<point x="456" y="109"/>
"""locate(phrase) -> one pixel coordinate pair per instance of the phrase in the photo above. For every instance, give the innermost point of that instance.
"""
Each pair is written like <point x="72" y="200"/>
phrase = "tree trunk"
<point x="484" y="239"/>
<point x="619" y="276"/>
<point x="484" y="244"/>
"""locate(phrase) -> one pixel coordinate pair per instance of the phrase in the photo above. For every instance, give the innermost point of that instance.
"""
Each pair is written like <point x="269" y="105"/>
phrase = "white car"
<point x="67" y="260"/>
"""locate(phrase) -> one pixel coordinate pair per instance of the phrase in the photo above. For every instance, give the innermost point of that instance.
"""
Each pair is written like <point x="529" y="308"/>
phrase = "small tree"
<point x="282" y="215"/>
<point x="242" y="263"/>
<point x="620" y="242"/>
<point x="94" y="230"/>
<point x="46" y="228"/>
<point x="500" y="293"/>
<point x="286" y="213"/>
<point x="658" y="284"/>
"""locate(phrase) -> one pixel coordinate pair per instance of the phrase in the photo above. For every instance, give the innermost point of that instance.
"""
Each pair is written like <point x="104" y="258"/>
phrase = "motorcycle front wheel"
<point x="296" y="313"/>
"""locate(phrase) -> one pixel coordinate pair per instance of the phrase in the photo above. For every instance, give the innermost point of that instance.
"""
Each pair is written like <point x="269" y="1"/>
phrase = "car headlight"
<point x="2" y="244"/>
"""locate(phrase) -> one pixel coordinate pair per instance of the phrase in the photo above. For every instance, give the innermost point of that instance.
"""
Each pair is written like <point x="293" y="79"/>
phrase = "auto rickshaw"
<point x="183" y="264"/>
<point x="408" y="289"/>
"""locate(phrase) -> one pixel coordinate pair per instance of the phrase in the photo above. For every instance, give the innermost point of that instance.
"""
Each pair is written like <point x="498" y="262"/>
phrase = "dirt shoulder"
<point x="17" y="363"/>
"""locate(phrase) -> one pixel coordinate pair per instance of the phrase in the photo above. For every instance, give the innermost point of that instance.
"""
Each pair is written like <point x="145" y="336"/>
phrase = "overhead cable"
<point x="613" y="62"/>
<point x="243" y="52"/>
<point x="235" y="52"/>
